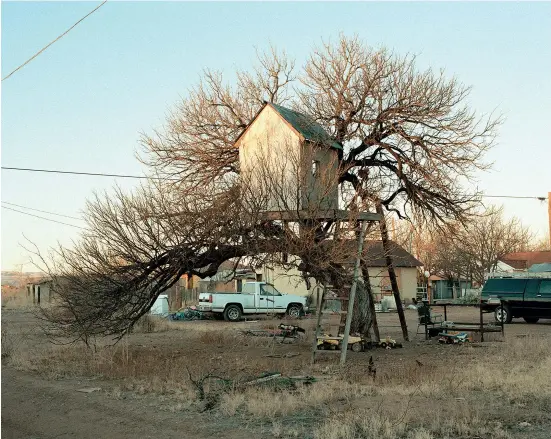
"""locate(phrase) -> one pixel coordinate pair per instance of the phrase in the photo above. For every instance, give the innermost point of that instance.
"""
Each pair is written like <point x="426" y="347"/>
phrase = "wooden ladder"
<point x="339" y="328"/>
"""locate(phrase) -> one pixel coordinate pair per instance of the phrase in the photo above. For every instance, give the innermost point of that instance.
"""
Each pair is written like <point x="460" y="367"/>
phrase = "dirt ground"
<point x="145" y="384"/>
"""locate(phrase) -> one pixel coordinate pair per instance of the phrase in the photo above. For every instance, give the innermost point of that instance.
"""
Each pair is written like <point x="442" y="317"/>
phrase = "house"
<point x="40" y="291"/>
<point x="522" y="261"/>
<point x="406" y="267"/>
<point x="229" y="278"/>
<point x="289" y="160"/>
<point x="444" y="288"/>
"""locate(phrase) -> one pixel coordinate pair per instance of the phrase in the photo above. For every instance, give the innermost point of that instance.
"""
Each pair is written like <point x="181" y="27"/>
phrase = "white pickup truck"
<point x="256" y="298"/>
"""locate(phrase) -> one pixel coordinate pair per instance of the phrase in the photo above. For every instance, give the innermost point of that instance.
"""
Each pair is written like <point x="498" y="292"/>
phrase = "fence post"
<point x="481" y="324"/>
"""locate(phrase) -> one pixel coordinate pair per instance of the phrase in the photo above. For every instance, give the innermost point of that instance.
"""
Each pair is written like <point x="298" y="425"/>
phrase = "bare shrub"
<point x="148" y="323"/>
<point x="7" y="343"/>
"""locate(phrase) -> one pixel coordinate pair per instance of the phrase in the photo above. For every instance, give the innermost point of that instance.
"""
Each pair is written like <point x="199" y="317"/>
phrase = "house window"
<point x="315" y="168"/>
<point x="285" y="258"/>
<point x="259" y="277"/>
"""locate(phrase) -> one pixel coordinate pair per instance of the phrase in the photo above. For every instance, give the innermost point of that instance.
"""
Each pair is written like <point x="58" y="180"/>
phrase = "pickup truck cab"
<point x="256" y="298"/>
<point x="527" y="297"/>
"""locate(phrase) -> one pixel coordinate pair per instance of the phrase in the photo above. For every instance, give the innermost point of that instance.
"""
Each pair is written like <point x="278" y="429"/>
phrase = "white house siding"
<point x="270" y="145"/>
<point x="323" y="189"/>
<point x="291" y="282"/>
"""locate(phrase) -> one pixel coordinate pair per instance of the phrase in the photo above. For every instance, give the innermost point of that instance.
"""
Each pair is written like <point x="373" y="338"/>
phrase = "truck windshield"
<point x="269" y="290"/>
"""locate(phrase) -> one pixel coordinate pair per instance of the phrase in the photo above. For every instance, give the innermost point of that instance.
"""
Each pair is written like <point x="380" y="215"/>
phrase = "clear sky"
<point x="82" y="104"/>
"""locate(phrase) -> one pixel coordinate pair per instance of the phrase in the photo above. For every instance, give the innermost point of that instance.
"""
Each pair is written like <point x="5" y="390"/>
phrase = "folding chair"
<point x="425" y="315"/>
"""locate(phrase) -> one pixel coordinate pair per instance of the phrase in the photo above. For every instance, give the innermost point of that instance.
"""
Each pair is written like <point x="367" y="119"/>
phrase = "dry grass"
<point x="16" y="300"/>
<point x="440" y="398"/>
<point x="368" y="425"/>
<point x="149" y="323"/>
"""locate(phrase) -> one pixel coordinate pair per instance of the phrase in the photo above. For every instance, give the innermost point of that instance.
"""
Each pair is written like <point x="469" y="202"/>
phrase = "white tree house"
<point x="289" y="162"/>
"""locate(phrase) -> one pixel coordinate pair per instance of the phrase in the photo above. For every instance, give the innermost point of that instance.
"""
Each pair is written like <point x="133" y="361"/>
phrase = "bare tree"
<point x="409" y="141"/>
<point x="470" y="250"/>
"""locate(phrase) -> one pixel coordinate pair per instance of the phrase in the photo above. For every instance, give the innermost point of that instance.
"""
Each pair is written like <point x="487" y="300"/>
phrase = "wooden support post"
<point x="426" y="322"/>
<point x="482" y="325"/>
<point x="391" y="272"/>
<point x="344" y="347"/>
<point x="318" y="323"/>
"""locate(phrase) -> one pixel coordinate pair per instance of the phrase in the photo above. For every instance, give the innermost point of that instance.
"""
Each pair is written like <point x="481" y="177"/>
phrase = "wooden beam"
<point x="331" y="214"/>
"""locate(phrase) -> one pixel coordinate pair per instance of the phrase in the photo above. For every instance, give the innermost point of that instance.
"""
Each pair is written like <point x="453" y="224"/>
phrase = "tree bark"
<point x="372" y="322"/>
<point x="391" y="272"/>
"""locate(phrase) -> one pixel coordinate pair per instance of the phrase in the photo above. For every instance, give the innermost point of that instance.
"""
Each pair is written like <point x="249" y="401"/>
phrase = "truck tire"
<point x="294" y="311"/>
<point x="232" y="313"/>
<point x="531" y="319"/>
<point x="503" y="314"/>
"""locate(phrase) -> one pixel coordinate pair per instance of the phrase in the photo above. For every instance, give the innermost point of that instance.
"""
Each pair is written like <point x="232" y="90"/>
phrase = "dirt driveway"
<point x="41" y="409"/>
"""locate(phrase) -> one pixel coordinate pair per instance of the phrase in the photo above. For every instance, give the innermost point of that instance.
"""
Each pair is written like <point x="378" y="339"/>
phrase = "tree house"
<point x="289" y="161"/>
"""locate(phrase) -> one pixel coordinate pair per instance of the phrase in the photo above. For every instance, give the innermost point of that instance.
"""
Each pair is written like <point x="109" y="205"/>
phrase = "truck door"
<point x="270" y="299"/>
<point x="543" y="299"/>
<point x="531" y="305"/>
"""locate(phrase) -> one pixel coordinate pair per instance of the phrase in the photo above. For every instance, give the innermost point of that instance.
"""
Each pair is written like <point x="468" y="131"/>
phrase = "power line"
<point x="44" y="218"/>
<point x="94" y="174"/>
<point x="43" y="211"/>
<point x="57" y="39"/>
<point x="513" y="196"/>
<point x="100" y="174"/>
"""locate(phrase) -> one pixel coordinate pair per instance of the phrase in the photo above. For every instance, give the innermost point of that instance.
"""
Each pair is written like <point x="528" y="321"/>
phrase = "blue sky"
<point x="83" y="103"/>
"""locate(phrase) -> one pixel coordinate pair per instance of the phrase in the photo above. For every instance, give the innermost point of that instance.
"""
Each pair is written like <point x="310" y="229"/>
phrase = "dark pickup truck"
<point x="528" y="297"/>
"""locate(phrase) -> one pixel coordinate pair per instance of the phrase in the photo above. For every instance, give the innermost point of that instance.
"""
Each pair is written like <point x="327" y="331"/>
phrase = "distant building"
<point x="40" y="291"/>
<point x="522" y="261"/>
<point x="229" y="278"/>
<point x="405" y="264"/>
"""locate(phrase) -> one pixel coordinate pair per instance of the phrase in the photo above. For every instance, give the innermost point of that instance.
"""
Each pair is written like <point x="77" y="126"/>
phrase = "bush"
<point x="469" y="299"/>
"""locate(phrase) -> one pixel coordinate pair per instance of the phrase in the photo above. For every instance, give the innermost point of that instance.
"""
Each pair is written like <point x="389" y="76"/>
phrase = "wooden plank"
<point x="331" y="214"/>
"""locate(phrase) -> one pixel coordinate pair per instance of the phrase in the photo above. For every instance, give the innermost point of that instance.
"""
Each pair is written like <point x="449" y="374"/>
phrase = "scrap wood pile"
<point x="209" y="396"/>
<point x="191" y="313"/>
<point x="282" y="331"/>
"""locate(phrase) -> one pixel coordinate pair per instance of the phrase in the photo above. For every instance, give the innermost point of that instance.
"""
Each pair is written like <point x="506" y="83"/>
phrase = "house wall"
<point x="41" y="294"/>
<point x="323" y="188"/>
<point x="277" y="165"/>
<point x="406" y="278"/>
<point x="290" y="281"/>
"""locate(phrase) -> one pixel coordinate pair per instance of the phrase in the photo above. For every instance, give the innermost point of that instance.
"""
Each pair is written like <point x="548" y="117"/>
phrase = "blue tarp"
<point x="540" y="268"/>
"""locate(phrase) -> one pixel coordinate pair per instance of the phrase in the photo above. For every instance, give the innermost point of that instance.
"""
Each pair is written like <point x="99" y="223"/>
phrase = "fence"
<point x="181" y="297"/>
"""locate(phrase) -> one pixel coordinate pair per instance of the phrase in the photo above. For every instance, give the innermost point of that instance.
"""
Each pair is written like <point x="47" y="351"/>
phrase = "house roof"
<point x="540" y="268"/>
<point x="374" y="254"/>
<point x="304" y="125"/>
<point x="524" y="260"/>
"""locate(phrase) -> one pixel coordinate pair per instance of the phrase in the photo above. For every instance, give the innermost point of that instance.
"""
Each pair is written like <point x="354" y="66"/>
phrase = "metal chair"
<point x="426" y="315"/>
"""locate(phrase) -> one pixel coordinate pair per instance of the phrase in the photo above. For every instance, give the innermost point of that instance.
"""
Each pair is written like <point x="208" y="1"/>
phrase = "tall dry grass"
<point x="439" y="399"/>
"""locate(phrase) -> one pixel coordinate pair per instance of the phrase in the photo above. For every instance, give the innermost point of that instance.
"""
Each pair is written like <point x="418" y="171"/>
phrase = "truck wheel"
<point x="232" y="313"/>
<point x="503" y="314"/>
<point x="531" y="319"/>
<point x="357" y="347"/>
<point x="294" y="311"/>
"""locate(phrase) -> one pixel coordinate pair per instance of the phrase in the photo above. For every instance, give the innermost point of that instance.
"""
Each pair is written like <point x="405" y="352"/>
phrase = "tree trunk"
<point x="391" y="272"/>
<point x="370" y="302"/>
<point x="364" y="308"/>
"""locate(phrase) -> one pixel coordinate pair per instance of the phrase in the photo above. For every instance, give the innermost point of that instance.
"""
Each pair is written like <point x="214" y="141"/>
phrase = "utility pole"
<point x="549" y="214"/>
